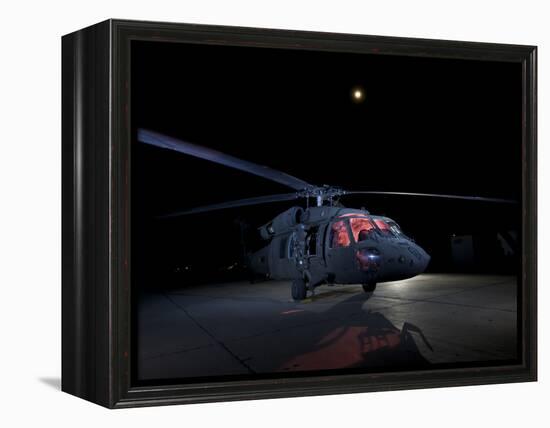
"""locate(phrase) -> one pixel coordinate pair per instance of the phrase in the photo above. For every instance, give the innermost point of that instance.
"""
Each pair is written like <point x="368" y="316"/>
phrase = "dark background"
<point x="426" y="125"/>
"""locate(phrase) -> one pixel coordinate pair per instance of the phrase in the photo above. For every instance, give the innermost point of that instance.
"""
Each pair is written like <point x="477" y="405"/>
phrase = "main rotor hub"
<point x="321" y="193"/>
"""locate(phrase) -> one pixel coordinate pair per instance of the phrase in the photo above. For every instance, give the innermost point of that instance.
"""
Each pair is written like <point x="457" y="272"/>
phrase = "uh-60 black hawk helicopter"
<point x="323" y="244"/>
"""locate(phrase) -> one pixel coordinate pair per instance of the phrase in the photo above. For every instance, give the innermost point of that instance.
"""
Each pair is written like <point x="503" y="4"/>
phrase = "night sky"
<point x="424" y="125"/>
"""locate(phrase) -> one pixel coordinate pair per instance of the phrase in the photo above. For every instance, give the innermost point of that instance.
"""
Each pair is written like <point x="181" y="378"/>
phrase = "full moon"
<point x="357" y="94"/>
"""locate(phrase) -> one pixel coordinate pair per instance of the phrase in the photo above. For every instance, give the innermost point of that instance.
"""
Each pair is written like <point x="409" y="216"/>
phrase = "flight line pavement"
<point x="242" y="328"/>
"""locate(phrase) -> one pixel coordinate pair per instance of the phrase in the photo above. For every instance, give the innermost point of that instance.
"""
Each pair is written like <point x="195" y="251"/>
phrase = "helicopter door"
<point x="314" y="250"/>
<point x="340" y="253"/>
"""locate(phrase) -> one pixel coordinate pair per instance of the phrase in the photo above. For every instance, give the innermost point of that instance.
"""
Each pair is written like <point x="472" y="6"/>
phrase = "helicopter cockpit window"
<point x="383" y="227"/>
<point x="339" y="236"/>
<point x="361" y="227"/>
<point x="394" y="227"/>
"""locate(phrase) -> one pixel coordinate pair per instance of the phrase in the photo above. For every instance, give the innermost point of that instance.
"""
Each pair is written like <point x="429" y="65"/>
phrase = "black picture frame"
<point x="96" y="290"/>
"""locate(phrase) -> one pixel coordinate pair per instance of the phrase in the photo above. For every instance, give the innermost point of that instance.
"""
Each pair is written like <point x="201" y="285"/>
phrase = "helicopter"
<point x="325" y="243"/>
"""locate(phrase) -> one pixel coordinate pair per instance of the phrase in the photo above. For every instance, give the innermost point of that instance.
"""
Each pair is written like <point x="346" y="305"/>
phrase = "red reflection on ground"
<point x="344" y="347"/>
<point x="292" y="311"/>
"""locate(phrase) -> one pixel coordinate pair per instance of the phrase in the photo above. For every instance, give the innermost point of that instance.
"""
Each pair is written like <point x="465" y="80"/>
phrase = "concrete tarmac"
<point x="242" y="328"/>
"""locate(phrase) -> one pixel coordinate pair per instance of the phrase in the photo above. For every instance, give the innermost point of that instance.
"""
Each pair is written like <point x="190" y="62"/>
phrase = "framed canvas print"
<point x="252" y="213"/>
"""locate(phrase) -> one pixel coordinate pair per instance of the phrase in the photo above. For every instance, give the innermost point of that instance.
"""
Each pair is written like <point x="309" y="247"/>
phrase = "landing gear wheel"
<point x="369" y="287"/>
<point x="299" y="289"/>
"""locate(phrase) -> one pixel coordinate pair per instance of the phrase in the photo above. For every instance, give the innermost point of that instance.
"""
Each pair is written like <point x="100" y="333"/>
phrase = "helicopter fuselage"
<point x="334" y="245"/>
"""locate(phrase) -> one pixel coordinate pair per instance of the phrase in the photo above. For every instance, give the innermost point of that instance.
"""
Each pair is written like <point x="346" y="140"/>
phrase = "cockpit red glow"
<point x="361" y="227"/>
<point x="340" y="237"/>
<point x="383" y="226"/>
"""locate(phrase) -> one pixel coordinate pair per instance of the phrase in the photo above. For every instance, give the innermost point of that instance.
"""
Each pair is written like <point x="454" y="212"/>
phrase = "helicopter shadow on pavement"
<point x="352" y="335"/>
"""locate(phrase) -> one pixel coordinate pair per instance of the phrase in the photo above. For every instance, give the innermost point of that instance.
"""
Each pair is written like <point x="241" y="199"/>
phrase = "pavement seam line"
<point x="219" y="342"/>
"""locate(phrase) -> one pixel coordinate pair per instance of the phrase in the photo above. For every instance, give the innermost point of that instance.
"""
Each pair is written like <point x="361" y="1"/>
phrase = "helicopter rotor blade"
<point x="166" y="142"/>
<point x="435" y="195"/>
<point x="234" y="204"/>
